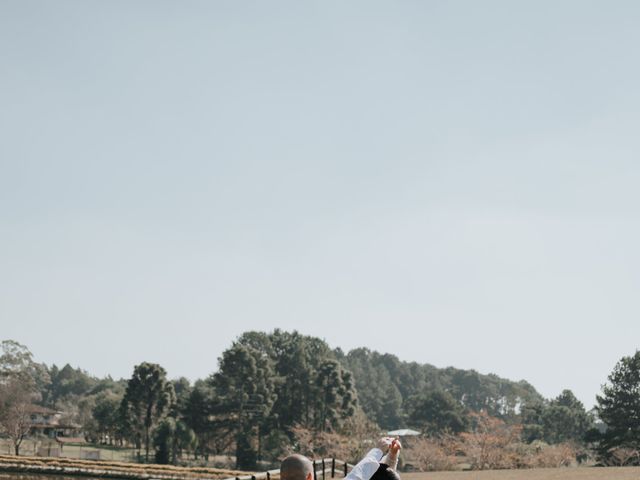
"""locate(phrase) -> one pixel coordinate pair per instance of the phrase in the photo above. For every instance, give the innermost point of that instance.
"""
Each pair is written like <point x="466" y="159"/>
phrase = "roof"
<point x="42" y="410"/>
<point x="404" y="432"/>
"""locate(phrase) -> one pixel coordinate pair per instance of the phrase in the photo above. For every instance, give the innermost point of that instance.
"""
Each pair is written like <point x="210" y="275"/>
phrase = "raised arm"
<point x="366" y="467"/>
<point x="391" y="458"/>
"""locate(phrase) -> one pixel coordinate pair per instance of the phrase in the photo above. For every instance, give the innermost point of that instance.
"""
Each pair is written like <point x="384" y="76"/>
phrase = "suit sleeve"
<point x="365" y="469"/>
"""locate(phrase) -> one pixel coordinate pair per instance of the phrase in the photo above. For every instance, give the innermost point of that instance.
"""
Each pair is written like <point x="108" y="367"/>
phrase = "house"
<point x="50" y="423"/>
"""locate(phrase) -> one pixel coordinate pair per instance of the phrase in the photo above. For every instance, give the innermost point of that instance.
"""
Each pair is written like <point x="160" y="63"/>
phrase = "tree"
<point x="244" y="395"/>
<point x="15" y="401"/>
<point x="147" y="400"/>
<point x="67" y="384"/>
<point x="433" y="454"/>
<point x="532" y="421"/>
<point x="304" y="386"/>
<point x="197" y="414"/>
<point x="336" y="398"/>
<point x="565" y="419"/>
<point x="170" y="438"/>
<point x="20" y="377"/>
<point x="372" y="371"/>
<point x="378" y="395"/>
<point x="182" y="389"/>
<point x="619" y="408"/>
<point x="105" y="415"/>
<point x="561" y="419"/>
<point x="295" y="364"/>
<point x="16" y="361"/>
<point x="437" y="412"/>
<point x="486" y="445"/>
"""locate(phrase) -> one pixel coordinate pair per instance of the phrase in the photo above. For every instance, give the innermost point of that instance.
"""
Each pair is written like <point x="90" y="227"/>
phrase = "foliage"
<point x="20" y="377"/>
<point x="432" y="454"/>
<point x="312" y="389"/>
<point x="16" y="398"/>
<point x="486" y="445"/>
<point x="282" y="391"/>
<point x="562" y="419"/>
<point x="65" y="384"/>
<point x="386" y="385"/>
<point x="436" y="412"/>
<point x="197" y="413"/>
<point x="106" y="425"/>
<point x="244" y="395"/>
<point x="351" y="442"/>
<point x="147" y="400"/>
<point x="171" y="437"/>
<point x="336" y="396"/>
<point x="619" y="408"/>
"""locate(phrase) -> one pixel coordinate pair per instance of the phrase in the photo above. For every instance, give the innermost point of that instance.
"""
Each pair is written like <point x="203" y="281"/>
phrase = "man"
<point x="299" y="467"/>
<point x="296" y="467"/>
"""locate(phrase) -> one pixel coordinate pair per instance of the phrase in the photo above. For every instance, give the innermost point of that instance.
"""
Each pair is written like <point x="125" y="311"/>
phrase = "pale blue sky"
<point x="453" y="182"/>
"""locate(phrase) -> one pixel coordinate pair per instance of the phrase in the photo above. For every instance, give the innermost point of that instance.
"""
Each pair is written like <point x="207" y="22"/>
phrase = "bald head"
<point x="296" y="467"/>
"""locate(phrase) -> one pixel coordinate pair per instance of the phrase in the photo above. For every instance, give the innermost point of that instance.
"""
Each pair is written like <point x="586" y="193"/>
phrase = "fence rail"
<point x="324" y="467"/>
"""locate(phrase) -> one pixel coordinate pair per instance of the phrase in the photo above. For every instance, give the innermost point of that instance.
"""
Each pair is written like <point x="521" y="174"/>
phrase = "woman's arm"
<point x="391" y="458"/>
<point x="366" y="467"/>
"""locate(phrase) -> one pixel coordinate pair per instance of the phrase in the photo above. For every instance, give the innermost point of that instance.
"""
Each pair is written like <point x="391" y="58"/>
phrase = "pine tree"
<point x="147" y="400"/>
<point x="245" y="393"/>
<point x="619" y="408"/>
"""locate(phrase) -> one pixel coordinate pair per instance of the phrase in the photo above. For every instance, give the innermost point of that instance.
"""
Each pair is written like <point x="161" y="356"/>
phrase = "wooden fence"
<point x="321" y="469"/>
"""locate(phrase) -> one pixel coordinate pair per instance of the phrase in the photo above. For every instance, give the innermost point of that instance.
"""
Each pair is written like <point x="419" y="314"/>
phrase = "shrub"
<point x="428" y="455"/>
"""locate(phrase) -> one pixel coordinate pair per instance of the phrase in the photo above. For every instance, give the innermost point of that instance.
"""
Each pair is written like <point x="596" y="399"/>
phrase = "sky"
<point x="455" y="182"/>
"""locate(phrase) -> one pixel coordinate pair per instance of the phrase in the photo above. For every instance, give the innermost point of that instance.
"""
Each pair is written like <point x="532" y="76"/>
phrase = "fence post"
<point x="323" y="469"/>
<point x="268" y="476"/>
<point x="315" y="471"/>
<point x="345" y="468"/>
<point x="333" y="467"/>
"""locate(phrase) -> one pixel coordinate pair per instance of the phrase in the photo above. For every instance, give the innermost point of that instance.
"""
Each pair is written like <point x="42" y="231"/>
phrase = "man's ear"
<point x="309" y="476"/>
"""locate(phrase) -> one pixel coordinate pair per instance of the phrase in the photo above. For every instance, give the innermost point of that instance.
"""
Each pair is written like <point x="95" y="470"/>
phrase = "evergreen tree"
<point x="105" y="416"/>
<point x="170" y="438"/>
<point x="437" y="412"/>
<point x="335" y="397"/>
<point x="245" y="393"/>
<point x="148" y="398"/>
<point x="565" y="419"/>
<point x="197" y="413"/>
<point x="619" y="408"/>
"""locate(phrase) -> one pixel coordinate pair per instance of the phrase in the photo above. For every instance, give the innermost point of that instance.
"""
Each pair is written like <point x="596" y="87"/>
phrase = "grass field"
<point x="611" y="473"/>
<point x="30" y="447"/>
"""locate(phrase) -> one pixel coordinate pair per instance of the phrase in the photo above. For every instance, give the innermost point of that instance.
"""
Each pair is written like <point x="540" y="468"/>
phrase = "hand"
<point x="384" y="443"/>
<point x="395" y="446"/>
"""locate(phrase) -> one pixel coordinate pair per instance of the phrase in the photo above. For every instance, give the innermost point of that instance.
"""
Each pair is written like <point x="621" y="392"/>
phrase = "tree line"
<point x="273" y="392"/>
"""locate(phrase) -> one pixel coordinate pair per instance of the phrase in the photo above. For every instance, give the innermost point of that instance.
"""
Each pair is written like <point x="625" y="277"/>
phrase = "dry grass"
<point x="585" y="473"/>
<point x="109" y="469"/>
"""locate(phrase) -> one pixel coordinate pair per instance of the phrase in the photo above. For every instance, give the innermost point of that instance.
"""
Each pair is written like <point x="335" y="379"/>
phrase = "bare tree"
<point x="622" y="456"/>
<point x="15" y="403"/>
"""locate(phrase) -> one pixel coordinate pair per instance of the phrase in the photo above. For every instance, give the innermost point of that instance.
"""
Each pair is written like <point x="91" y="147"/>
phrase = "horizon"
<point x="453" y="183"/>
